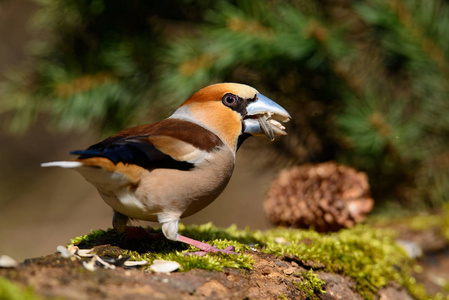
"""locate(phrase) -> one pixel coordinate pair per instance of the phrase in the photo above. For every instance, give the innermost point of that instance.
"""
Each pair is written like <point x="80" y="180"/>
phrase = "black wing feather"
<point x="133" y="150"/>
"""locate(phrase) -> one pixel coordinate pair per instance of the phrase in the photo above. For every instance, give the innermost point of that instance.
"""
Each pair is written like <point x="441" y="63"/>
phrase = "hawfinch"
<point x="173" y="168"/>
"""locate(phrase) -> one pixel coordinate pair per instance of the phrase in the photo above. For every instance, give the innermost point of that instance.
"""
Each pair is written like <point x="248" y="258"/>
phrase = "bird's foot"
<point x="204" y="247"/>
<point x="213" y="249"/>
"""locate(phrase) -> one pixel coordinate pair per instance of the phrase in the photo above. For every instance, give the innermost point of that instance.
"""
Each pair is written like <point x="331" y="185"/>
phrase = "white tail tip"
<point x="62" y="164"/>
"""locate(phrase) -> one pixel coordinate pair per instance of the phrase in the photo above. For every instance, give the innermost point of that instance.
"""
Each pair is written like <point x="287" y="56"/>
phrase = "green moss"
<point x="221" y="238"/>
<point x="310" y="284"/>
<point x="169" y="250"/>
<point x="425" y="221"/>
<point x="214" y="262"/>
<point x="369" y="256"/>
<point x="92" y="236"/>
<point x="415" y="222"/>
<point x="12" y="291"/>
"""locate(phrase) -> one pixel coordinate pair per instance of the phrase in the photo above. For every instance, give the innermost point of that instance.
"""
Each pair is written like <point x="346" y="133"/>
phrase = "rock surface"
<point x="271" y="278"/>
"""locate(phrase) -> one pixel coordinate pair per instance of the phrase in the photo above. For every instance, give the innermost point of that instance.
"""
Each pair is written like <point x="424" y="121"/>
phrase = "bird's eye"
<point x="229" y="99"/>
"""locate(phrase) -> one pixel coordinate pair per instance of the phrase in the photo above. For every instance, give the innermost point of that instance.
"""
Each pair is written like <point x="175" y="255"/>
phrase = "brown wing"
<point x="171" y="143"/>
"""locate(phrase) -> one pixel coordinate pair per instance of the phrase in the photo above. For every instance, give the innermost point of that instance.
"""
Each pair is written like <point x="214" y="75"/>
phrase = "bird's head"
<point x="233" y="112"/>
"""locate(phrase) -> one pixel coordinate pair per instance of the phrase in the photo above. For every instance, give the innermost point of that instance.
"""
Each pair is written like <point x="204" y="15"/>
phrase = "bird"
<point x="173" y="168"/>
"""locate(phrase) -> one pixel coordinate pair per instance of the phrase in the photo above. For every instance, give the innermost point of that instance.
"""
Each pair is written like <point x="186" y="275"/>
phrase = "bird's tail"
<point x="101" y="171"/>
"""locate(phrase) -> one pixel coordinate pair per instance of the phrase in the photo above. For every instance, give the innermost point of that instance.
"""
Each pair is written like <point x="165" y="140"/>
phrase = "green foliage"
<point x="12" y="291"/>
<point x="93" y="67"/>
<point x="410" y="35"/>
<point x="365" y="81"/>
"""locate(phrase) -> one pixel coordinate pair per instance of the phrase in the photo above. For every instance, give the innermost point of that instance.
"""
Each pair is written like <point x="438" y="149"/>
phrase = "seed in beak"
<point x="264" y="123"/>
<point x="277" y="124"/>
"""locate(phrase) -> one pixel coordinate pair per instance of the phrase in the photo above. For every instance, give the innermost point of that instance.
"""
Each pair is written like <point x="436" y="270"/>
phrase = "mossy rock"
<point x="367" y="255"/>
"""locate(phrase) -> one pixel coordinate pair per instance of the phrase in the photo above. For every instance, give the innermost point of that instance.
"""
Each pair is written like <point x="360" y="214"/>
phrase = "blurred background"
<point x="366" y="83"/>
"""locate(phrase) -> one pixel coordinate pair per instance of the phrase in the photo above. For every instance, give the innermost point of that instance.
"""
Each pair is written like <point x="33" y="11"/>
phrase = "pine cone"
<point x="326" y="196"/>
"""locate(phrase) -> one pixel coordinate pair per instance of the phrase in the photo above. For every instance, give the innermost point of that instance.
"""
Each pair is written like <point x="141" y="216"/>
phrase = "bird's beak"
<point x="264" y="117"/>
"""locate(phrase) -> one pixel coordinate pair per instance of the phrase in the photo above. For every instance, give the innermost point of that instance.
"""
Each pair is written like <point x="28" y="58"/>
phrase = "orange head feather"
<point x="207" y="108"/>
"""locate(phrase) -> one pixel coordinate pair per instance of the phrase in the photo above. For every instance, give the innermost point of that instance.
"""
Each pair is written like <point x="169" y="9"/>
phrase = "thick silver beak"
<point x="264" y="117"/>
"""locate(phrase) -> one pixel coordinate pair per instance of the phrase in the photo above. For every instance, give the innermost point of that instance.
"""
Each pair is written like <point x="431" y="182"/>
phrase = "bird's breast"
<point x="187" y="192"/>
<point x="173" y="191"/>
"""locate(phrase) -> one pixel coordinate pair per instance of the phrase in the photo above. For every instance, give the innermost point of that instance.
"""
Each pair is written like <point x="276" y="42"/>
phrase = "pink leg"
<point x="204" y="247"/>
